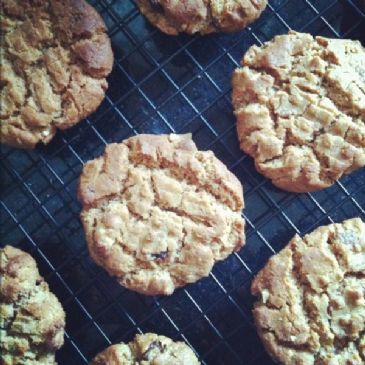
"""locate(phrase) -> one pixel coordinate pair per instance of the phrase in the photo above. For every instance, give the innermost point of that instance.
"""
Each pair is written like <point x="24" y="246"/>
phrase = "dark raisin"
<point x="159" y="256"/>
<point x="153" y="345"/>
<point x="156" y="5"/>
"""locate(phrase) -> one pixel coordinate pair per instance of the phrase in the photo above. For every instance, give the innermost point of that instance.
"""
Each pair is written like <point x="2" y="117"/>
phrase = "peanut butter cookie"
<point x="311" y="298"/>
<point x="147" y="349"/>
<point x="203" y="16"/>
<point x="55" y="57"/>
<point x="158" y="213"/>
<point x="32" y="320"/>
<point x="300" y="108"/>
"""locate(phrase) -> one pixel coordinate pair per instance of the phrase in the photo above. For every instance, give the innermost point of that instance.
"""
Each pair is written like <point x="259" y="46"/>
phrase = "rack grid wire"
<point x="164" y="84"/>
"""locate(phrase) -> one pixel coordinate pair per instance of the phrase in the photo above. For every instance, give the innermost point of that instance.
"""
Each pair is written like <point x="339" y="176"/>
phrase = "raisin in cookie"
<point x="311" y="298"/>
<point x="31" y="318"/>
<point x="158" y="213"/>
<point x="203" y="16"/>
<point x="147" y="349"/>
<point x="55" y="57"/>
<point x="300" y="108"/>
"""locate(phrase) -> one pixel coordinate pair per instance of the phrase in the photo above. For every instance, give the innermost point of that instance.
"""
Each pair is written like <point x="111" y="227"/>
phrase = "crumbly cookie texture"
<point x="32" y="320"/>
<point x="147" y="349"/>
<point x="300" y="108"/>
<point x="311" y="298"/>
<point x="158" y="213"/>
<point x="55" y="57"/>
<point x="203" y="16"/>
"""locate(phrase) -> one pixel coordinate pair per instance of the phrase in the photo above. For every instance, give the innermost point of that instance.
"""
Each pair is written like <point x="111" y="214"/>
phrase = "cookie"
<point x="55" y="57"/>
<point x="201" y="16"/>
<point x="147" y="349"/>
<point x="32" y="320"/>
<point x="158" y="213"/>
<point x="300" y="108"/>
<point x="311" y="298"/>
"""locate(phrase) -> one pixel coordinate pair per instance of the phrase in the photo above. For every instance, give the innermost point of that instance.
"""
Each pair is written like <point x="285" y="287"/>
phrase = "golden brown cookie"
<point x="311" y="298"/>
<point x="55" y="57"/>
<point x="201" y="16"/>
<point x="300" y="108"/>
<point x="147" y="349"/>
<point x="32" y="320"/>
<point x="158" y="213"/>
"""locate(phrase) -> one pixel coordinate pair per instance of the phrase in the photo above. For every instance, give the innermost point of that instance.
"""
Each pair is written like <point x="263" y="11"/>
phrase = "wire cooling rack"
<point x="163" y="84"/>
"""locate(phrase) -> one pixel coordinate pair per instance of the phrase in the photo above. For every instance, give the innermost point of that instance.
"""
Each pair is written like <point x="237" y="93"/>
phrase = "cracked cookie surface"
<point x="158" y="213"/>
<point x="311" y="298"/>
<point x="203" y="16"/>
<point x="147" y="349"/>
<point x="32" y="320"/>
<point x="55" y="57"/>
<point x="300" y="108"/>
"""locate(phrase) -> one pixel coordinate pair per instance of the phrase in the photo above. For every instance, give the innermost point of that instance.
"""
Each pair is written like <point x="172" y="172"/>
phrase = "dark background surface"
<point x="163" y="84"/>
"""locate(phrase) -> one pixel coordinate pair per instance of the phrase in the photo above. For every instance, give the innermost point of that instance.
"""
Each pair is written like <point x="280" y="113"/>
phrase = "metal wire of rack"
<point x="163" y="84"/>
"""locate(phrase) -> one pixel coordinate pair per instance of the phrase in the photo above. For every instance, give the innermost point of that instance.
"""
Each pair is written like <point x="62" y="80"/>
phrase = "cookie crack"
<point x="295" y="270"/>
<point x="255" y="4"/>
<point x="324" y="292"/>
<point x="178" y="210"/>
<point x="212" y="19"/>
<point x="170" y="172"/>
<point x="358" y="345"/>
<point x="287" y="344"/>
<point x="340" y="343"/>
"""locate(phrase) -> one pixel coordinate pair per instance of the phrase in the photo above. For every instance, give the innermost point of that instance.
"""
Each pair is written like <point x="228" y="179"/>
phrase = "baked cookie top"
<point x="55" y="57"/>
<point x="311" y="298"/>
<point x="147" y="349"/>
<point x="158" y="213"/>
<point x="201" y="16"/>
<point x="300" y="108"/>
<point x="32" y="320"/>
